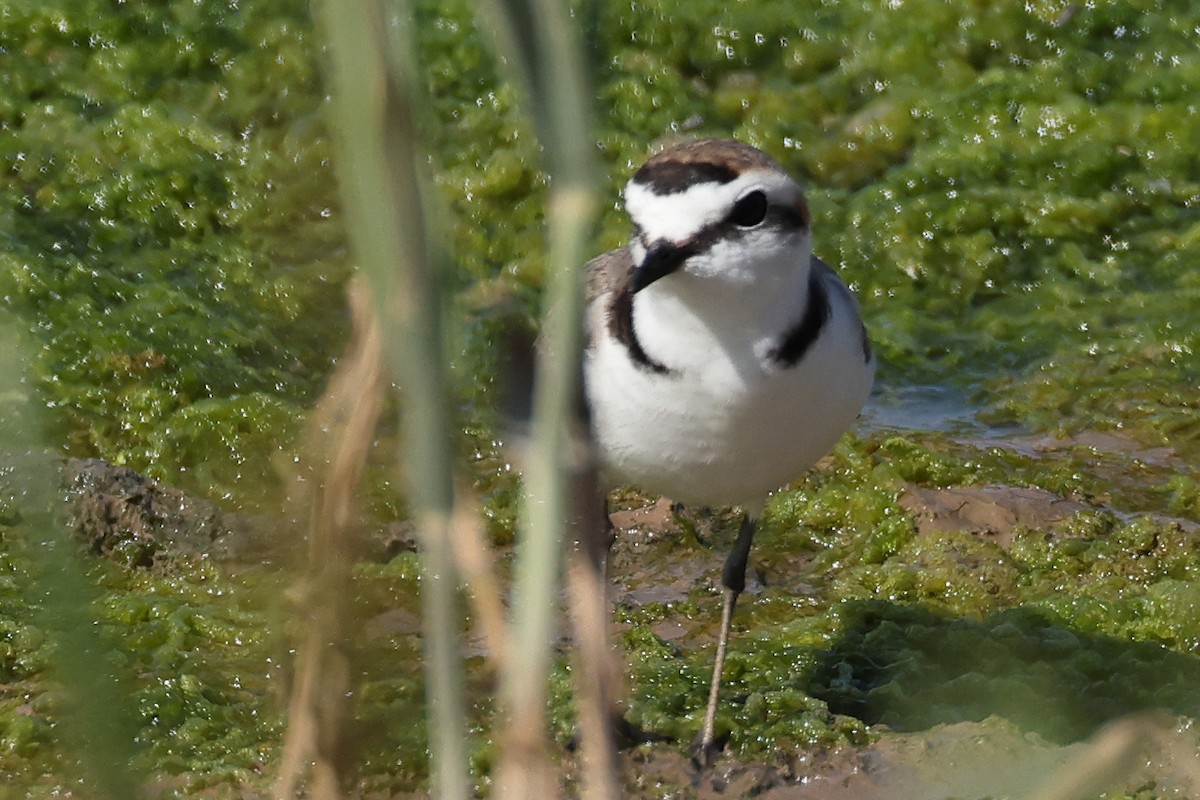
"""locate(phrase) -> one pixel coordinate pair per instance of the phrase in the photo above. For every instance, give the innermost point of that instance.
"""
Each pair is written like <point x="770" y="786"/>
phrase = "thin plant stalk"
<point x="99" y="726"/>
<point x="1116" y="751"/>
<point x="541" y="43"/>
<point x="337" y="442"/>
<point x="382" y="194"/>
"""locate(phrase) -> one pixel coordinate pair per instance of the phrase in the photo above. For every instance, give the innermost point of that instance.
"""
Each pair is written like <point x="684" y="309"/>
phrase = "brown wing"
<point x="608" y="271"/>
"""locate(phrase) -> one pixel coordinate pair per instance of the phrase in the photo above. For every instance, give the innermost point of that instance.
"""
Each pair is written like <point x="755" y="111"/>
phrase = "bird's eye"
<point x="750" y="210"/>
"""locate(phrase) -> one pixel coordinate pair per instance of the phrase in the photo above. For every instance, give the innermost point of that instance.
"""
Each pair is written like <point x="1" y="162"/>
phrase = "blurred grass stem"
<point x="337" y="442"/>
<point x="374" y="92"/>
<point x="98" y="722"/>
<point x="540" y="43"/>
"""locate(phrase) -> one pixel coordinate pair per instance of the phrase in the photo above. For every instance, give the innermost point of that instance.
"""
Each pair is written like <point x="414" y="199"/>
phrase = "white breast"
<point x="727" y="424"/>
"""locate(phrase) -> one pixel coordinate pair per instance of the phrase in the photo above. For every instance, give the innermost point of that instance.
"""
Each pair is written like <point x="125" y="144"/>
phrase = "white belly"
<point x="728" y="427"/>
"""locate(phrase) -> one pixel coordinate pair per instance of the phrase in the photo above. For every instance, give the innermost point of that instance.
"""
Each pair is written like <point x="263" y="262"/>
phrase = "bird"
<point x="722" y="359"/>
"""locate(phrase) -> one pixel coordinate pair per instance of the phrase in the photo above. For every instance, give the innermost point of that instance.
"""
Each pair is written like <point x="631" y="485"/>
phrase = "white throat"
<point x="681" y="318"/>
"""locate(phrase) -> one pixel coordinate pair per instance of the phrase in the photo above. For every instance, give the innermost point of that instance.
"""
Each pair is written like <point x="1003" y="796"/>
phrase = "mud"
<point x="122" y="514"/>
<point x="987" y="759"/>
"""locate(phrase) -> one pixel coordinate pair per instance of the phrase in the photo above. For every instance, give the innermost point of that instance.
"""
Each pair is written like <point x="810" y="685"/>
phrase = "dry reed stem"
<point x="1116" y="750"/>
<point x="587" y="587"/>
<point x="338" y="438"/>
<point x="525" y="772"/>
<point x="538" y="42"/>
<point x="475" y="560"/>
<point x="594" y="678"/>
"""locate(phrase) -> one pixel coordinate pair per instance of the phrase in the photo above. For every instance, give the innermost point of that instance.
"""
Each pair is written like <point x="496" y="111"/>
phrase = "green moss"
<point x="968" y="173"/>
<point x="197" y="652"/>
<point x="171" y="217"/>
<point x="665" y="684"/>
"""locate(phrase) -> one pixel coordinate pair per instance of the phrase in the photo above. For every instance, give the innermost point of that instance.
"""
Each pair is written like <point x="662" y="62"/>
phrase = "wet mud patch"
<point x="123" y="515"/>
<point x="991" y="758"/>
<point x="992" y="512"/>
<point x="853" y="680"/>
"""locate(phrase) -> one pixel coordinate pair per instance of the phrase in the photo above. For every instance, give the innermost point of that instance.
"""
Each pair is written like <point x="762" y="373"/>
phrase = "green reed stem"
<point x="540" y="41"/>
<point x="98" y="727"/>
<point x="374" y="124"/>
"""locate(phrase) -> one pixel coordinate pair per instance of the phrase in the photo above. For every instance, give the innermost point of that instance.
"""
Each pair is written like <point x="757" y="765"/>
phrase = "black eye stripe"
<point x="784" y="218"/>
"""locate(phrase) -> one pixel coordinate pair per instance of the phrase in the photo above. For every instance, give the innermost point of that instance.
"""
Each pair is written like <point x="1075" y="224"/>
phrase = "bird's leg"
<point x="733" y="578"/>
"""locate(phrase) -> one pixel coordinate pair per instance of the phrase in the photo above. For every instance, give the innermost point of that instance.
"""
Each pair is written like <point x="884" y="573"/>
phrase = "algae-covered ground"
<point x="1011" y="533"/>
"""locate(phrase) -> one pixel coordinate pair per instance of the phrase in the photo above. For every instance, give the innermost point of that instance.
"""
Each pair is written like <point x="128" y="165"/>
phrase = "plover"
<point x="723" y="358"/>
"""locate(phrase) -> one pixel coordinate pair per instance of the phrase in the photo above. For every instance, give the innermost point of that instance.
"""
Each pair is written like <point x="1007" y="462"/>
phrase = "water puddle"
<point x="923" y="407"/>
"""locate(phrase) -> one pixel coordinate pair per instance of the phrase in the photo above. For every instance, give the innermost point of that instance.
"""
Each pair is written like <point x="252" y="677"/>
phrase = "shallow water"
<point x="913" y="407"/>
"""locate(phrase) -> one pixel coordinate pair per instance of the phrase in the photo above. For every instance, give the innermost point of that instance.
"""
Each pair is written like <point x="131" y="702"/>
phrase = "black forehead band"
<point x="669" y="177"/>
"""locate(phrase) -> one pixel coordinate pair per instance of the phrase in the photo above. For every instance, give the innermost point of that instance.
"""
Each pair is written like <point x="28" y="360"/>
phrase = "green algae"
<point x="193" y="650"/>
<point x="168" y="207"/>
<point x="1011" y="189"/>
<point x="1068" y="628"/>
<point x="1122" y="589"/>
<point x="967" y="173"/>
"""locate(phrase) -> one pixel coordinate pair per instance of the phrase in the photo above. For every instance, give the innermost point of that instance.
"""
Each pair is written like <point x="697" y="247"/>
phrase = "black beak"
<point x="661" y="260"/>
